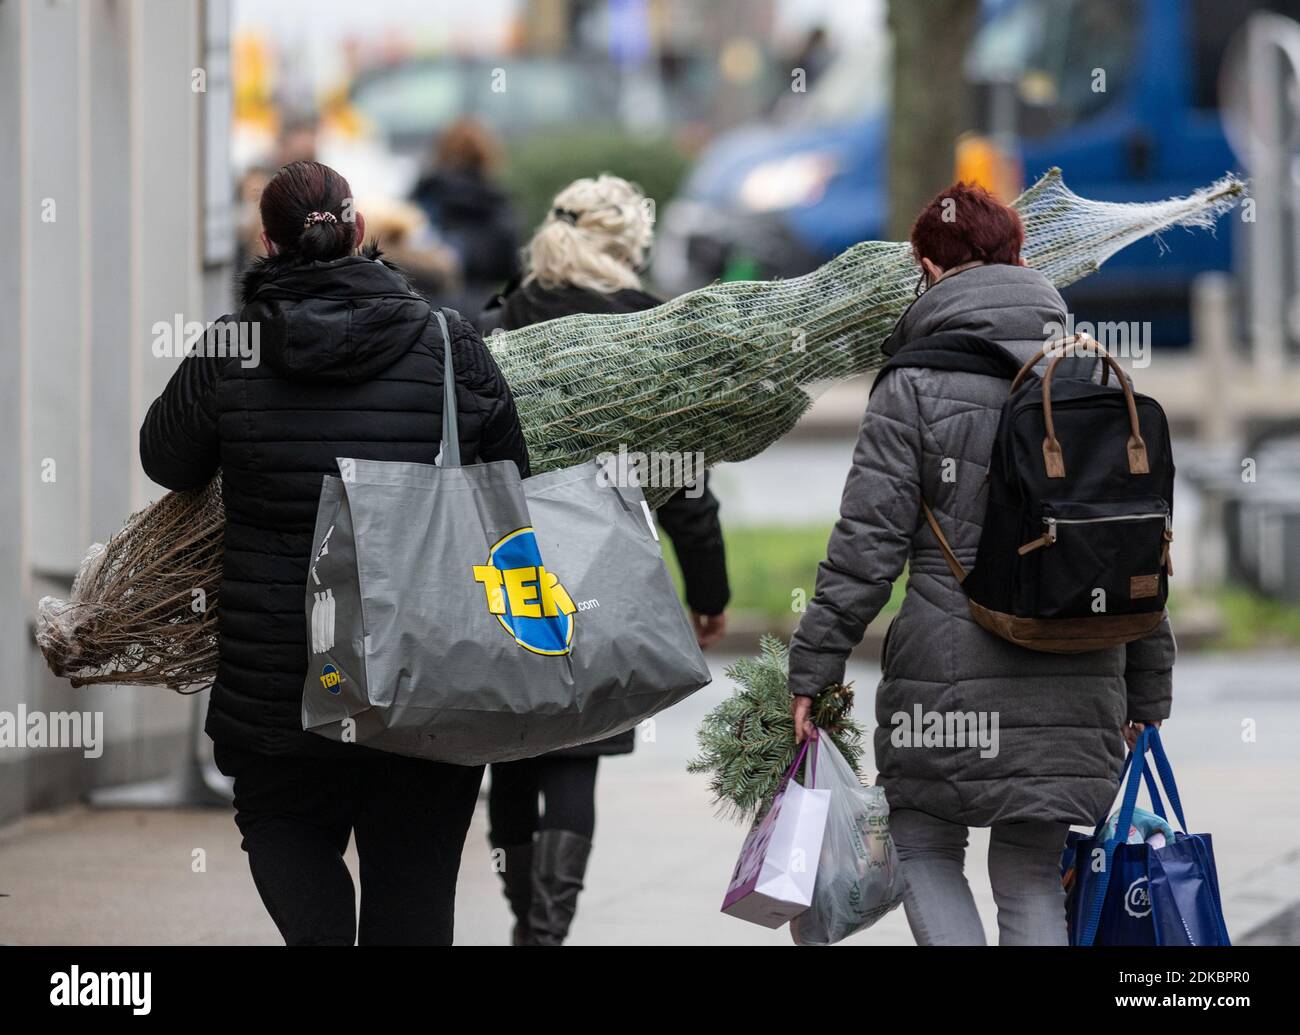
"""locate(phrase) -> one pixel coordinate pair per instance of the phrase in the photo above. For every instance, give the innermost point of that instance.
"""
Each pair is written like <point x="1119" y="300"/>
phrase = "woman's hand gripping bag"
<point x="858" y="875"/>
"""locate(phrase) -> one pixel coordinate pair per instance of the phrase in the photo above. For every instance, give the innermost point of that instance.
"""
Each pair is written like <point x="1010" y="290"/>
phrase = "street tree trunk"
<point x="930" y="101"/>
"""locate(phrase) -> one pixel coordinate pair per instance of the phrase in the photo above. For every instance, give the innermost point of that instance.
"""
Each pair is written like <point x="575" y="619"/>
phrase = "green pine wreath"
<point x="747" y="742"/>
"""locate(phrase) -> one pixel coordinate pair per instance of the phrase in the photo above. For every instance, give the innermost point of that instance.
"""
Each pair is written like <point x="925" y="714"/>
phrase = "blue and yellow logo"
<point x="331" y="678"/>
<point x="526" y="599"/>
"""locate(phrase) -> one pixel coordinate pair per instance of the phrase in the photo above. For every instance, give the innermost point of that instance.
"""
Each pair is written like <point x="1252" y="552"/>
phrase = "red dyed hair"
<point x="965" y="223"/>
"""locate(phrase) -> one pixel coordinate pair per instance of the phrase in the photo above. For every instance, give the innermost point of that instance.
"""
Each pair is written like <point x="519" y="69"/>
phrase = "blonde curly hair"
<point x="596" y="236"/>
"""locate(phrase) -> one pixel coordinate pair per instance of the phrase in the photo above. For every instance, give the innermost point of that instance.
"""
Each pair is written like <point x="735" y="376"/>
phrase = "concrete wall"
<point x="102" y="180"/>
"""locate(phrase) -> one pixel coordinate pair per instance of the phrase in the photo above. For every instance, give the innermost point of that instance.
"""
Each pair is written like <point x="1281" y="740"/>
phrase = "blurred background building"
<point x="772" y="134"/>
<point x="115" y="182"/>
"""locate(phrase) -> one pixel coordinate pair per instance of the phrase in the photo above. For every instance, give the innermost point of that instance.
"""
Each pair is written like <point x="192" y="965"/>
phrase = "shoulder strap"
<point x="954" y="565"/>
<point x="952" y="350"/>
<point x="450" y="432"/>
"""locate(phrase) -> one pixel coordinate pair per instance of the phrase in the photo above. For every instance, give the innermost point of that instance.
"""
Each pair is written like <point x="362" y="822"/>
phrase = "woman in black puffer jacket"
<point x="585" y="258"/>
<point x="345" y="360"/>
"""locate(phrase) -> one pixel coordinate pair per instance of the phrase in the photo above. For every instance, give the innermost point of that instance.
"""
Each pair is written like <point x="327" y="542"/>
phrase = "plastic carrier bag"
<point x="462" y="614"/>
<point x="1145" y="893"/>
<point x="858" y="875"/>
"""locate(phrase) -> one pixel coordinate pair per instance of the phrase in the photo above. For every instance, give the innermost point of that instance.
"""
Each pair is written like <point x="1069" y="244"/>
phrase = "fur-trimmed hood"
<point x="345" y="319"/>
<point x="267" y="268"/>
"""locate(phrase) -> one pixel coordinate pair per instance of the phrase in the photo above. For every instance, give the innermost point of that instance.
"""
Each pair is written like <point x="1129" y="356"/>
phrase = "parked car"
<point x="780" y="198"/>
<point x="560" y="117"/>
<point x="409" y="102"/>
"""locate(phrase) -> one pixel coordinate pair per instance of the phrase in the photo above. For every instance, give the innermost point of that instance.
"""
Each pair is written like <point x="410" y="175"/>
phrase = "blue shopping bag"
<point x="1123" y="894"/>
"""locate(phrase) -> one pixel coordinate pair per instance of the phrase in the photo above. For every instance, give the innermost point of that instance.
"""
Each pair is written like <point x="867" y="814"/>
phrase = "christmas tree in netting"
<point x="716" y="375"/>
<point x="728" y="369"/>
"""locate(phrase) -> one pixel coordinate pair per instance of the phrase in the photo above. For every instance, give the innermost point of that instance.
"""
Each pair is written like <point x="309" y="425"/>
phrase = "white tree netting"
<point x="725" y="371"/>
<point x="715" y="375"/>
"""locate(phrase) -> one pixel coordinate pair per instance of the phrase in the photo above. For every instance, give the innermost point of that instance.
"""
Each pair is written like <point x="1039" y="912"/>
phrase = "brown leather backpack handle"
<point x="1053" y="461"/>
<point x="1024" y="371"/>
<point x="1060" y="345"/>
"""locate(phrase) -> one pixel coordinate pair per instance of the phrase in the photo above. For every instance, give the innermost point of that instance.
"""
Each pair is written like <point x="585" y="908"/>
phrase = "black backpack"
<point x="1074" y="552"/>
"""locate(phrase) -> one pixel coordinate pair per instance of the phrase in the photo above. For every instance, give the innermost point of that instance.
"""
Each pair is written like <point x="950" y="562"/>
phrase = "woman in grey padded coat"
<point x="1062" y="719"/>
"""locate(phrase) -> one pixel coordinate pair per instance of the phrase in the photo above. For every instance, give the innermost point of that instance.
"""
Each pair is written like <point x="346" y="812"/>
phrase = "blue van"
<point x="779" y="199"/>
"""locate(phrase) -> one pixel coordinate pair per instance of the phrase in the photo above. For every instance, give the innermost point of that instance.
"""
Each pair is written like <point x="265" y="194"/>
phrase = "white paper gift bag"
<point x="777" y="869"/>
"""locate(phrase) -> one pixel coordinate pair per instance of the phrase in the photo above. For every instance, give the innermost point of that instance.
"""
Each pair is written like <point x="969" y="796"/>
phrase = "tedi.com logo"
<point x="102" y="988"/>
<point x="531" y="604"/>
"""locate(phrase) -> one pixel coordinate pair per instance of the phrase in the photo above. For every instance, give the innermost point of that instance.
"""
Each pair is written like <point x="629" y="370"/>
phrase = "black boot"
<point x="517" y="882"/>
<point x="559" y="863"/>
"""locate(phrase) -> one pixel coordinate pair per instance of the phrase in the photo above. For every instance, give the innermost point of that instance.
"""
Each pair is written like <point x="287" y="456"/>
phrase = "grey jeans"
<point x="1024" y="869"/>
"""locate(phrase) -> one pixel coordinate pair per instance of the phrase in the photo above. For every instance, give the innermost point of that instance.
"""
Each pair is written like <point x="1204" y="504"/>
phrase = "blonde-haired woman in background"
<point x="596" y="238"/>
<point x="587" y="257"/>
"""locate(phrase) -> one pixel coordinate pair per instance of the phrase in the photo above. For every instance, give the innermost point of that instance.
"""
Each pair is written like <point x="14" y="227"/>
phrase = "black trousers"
<point x="567" y="785"/>
<point x="409" y="816"/>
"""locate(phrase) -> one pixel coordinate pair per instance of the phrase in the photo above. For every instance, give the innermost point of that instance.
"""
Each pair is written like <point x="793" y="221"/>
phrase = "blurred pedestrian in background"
<point x="248" y="226"/>
<point x="295" y="142"/>
<point x="469" y="213"/>
<point x="298" y="140"/>
<point x="407" y="240"/>
<point x="586" y="257"/>
<point x="813" y="56"/>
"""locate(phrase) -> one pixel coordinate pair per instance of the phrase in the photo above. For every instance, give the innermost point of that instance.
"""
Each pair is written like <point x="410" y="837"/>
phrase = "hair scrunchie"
<point x="318" y="217"/>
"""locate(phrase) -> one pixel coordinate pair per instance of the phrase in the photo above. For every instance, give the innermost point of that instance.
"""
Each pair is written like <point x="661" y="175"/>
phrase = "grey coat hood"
<point x="1016" y="306"/>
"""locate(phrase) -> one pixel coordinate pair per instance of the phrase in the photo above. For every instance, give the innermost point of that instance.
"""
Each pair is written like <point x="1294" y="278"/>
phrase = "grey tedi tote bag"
<point x="461" y="614"/>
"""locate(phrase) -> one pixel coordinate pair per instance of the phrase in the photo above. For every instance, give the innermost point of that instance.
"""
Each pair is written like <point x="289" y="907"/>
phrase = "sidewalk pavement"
<point x="662" y="858"/>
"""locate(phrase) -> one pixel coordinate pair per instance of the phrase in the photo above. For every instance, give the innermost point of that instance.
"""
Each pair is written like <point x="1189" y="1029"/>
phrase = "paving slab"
<point x="662" y="857"/>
